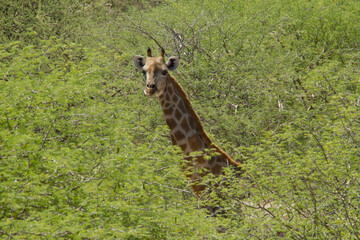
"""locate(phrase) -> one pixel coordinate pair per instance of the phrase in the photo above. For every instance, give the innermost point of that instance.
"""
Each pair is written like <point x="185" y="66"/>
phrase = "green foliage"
<point x="83" y="154"/>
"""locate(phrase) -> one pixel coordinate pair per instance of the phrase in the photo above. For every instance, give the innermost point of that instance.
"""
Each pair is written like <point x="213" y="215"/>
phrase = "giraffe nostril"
<point x="152" y="86"/>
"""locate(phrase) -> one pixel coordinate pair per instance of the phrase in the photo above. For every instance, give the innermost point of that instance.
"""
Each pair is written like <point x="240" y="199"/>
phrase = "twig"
<point x="321" y="147"/>
<point x="8" y="122"/>
<point x="141" y="30"/>
<point x="332" y="89"/>
<point x="46" y="135"/>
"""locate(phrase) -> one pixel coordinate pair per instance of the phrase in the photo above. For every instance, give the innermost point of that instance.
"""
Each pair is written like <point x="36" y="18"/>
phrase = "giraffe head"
<point x="155" y="70"/>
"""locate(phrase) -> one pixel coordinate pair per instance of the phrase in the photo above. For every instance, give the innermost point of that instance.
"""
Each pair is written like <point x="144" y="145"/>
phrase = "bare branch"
<point x="137" y="27"/>
<point x="46" y="135"/>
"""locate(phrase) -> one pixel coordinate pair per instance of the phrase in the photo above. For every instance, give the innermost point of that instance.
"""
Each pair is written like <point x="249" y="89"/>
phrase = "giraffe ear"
<point x="172" y="63"/>
<point x="139" y="61"/>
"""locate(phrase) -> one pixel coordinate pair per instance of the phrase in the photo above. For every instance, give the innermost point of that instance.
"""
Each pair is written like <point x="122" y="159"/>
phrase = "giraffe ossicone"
<point x="186" y="130"/>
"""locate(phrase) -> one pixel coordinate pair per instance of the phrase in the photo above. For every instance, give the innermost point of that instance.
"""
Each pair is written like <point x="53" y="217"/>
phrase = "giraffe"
<point x="186" y="130"/>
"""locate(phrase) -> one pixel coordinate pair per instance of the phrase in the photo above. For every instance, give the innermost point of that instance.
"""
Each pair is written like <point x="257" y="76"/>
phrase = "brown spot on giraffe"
<point x="171" y="123"/>
<point x="168" y="111"/>
<point x="217" y="169"/>
<point x="182" y="107"/>
<point x="173" y="140"/>
<point x="179" y="135"/>
<point x="170" y="90"/>
<point x="178" y="114"/>
<point x="200" y="160"/>
<point x="167" y="98"/>
<point x="195" y="143"/>
<point x="198" y="187"/>
<point x="162" y="100"/>
<point x="184" y="124"/>
<point x="183" y="147"/>
<point x="191" y="123"/>
<point x="213" y="160"/>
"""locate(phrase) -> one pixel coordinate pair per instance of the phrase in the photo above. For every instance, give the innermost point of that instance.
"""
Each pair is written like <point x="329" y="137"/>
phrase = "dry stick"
<point x="46" y="135"/>
<point x="320" y="146"/>
<point x="332" y="89"/>
<point x="183" y="42"/>
<point x="8" y="122"/>
<point x="177" y="38"/>
<point x="141" y="30"/>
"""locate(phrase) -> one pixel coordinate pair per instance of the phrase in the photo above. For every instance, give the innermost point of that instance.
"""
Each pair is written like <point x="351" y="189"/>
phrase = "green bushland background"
<point x="85" y="155"/>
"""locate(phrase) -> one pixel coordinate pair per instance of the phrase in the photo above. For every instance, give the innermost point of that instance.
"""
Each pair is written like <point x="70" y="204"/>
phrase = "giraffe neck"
<point x="186" y="130"/>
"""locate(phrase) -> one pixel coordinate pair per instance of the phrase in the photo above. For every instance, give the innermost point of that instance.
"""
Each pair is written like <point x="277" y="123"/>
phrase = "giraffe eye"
<point x="164" y="72"/>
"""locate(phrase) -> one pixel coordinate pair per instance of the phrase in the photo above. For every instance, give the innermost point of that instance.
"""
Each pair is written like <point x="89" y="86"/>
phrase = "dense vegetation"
<point x="85" y="155"/>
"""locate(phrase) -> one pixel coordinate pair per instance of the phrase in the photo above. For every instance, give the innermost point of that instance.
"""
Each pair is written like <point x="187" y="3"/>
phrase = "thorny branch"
<point x="46" y="135"/>
<point x="138" y="28"/>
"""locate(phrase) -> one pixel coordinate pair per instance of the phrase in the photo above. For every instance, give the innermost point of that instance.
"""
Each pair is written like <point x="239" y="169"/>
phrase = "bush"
<point x="85" y="155"/>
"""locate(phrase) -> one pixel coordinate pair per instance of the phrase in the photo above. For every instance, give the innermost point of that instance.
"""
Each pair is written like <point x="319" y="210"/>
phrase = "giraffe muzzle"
<point x="150" y="90"/>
